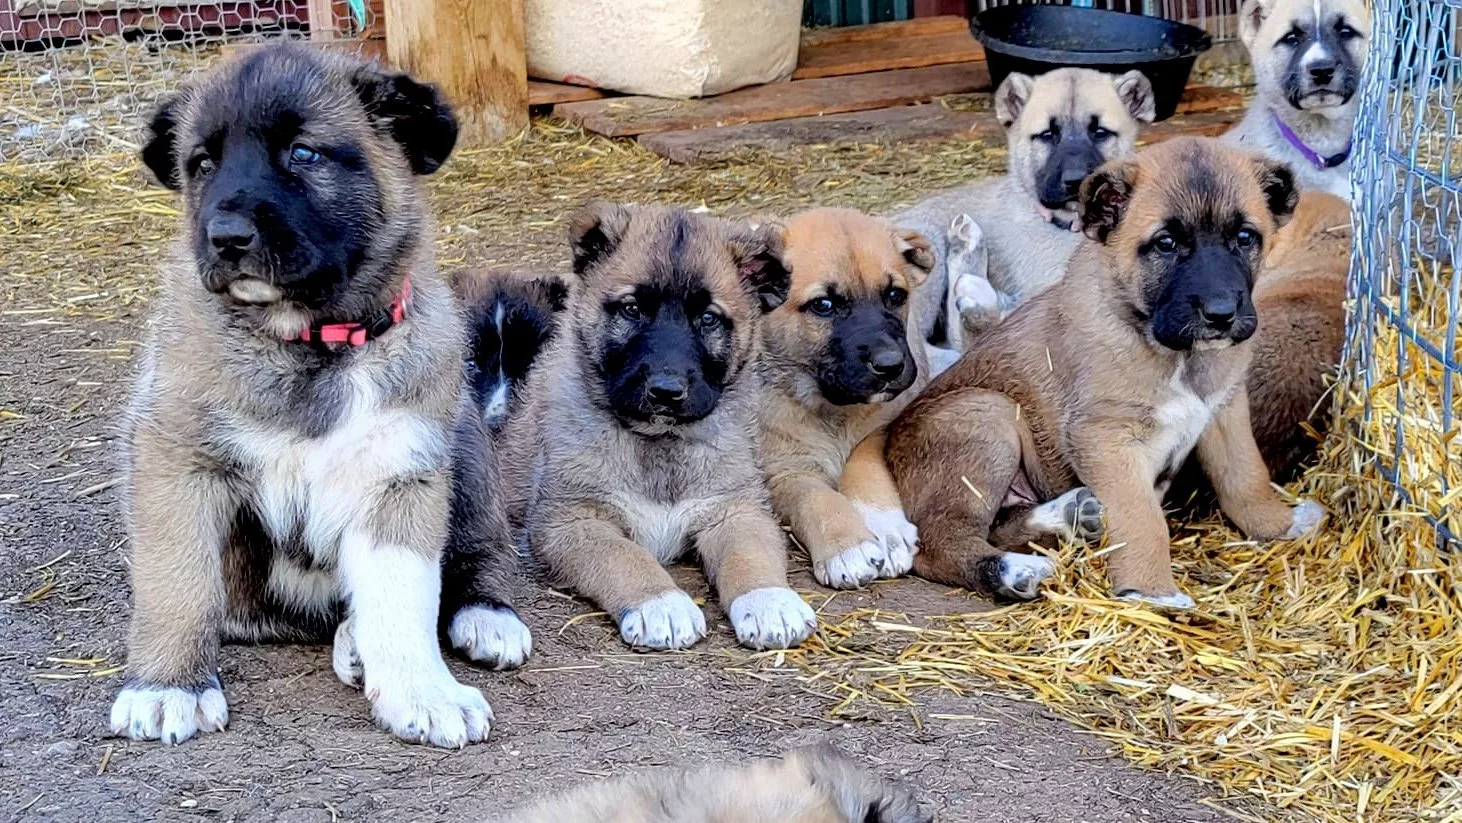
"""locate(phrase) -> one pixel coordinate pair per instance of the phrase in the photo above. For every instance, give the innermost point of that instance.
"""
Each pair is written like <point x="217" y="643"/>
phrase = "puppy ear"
<point x="1011" y="97"/>
<point x="555" y="291"/>
<point x="1280" y="190"/>
<point x="917" y="251"/>
<point x="595" y="231"/>
<point x="1251" y="17"/>
<point x="416" y="115"/>
<point x="761" y="262"/>
<point x="160" y="153"/>
<point x="1136" y="92"/>
<point x="1104" y="198"/>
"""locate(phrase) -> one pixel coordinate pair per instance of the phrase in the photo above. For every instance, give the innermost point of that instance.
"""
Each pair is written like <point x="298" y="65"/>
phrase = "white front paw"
<point x="430" y="708"/>
<point x="771" y="618"/>
<point x="1308" y="515"/>
<point x="1021" y="575"/>
<point x="667" y="621"/>
<point x="853" y="567"/>
<point x="898" y="536"/>
<point x="168" y="713"/>
<point x="976" y="301"/>
<point x="344" y="657"/>
<point x="491" y="635"/>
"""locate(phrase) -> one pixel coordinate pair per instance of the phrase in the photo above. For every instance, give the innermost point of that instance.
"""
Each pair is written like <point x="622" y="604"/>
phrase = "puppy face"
<point x="843" y="323"/>
<point x="295" y="167"/>
<point x="1307" y="54"/>
<point x="668" y="310"/>
<point x="1184" y="226"/>
<point x="1061" y="125"/>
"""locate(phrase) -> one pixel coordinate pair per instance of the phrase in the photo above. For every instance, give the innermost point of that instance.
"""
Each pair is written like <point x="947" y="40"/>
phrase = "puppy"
<point x="1300" y="299"/>
<point x="841" y="365"/>
<point x="814" y="785"/>
<point x="1308" y="56"/>
<point x="511" y="316"/>
<point x="301" y="447"/>
<point x="640" y="437"/>
<point x="1013" y="234"/>
<point x="1092" y="394"/>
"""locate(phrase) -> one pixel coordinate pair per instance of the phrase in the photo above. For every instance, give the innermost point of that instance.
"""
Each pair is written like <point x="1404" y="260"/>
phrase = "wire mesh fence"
<point x="1402" y="340"/>
<point x="79" y="76"/>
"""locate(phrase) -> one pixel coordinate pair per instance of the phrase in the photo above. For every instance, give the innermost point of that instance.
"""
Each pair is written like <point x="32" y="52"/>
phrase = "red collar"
<point x="358" y="334"/>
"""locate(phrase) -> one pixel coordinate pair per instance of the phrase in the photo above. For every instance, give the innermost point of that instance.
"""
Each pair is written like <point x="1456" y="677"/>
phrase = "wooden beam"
<point x="474" y="50"/>
<point x="322" y="19"/>
<point x="544" y="93"/>
<point x="862" y="56"/>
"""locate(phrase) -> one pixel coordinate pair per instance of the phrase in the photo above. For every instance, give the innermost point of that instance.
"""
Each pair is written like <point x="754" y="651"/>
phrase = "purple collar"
<point x="1310" y="154"/>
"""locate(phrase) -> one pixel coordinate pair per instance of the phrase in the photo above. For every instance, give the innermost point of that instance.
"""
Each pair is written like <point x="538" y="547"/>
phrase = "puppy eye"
<point x="1292" y="37"/>
<point x="1246" y="237"/>
<point x="1098" y="134"/>
<point x="709" y="319"/>
<point x="893" y="297"/>
<point x="1346" y="32"/>
<point x="1047" y="136"/>
<point x="302" y="155"/>
<point x="1165" y="243"/>
<point x="822" y="306"/>
<point x="201" y="165"/>
<point x="629" y="309"/>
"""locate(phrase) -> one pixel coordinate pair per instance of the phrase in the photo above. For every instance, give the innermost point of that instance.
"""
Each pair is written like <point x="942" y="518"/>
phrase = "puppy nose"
<point x="1322" y="73"/>
<point x="666" y="389"/>
<point x="1071" y="180"/>
<point x="231" y="231"/>
<point x="1219" y="313"/>
<point x="886" y="362"/>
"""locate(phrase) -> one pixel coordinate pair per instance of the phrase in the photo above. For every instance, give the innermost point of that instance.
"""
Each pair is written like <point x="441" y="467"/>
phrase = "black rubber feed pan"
<point x="1033" y="39"/>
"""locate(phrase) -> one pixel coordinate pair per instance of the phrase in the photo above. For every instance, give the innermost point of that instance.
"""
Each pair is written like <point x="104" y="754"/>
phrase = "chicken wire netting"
<point x="81" y="76"/>
<point x="1402" y="340"/>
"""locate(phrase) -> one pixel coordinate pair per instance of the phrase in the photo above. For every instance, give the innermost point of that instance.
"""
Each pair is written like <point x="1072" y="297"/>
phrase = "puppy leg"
<point x="180" y="518"/>
<point x="1234" y="466"/>
<point x="391" y="572"/>
<point x="845" y="554"/>
<point x="593" y="557"/>
<point x="1142" y="569"/>
<point x="1075" y="516"/>
<point x="971" y="435"/>
<point x="870" y="487"/>
<point x="480" y="568"/>
<point x="745" y="556"/>
<point x="973" y="305"/>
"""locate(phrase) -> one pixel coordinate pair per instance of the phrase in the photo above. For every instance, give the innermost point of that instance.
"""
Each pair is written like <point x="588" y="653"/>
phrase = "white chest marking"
<point x="320" y="486"/>
<point x="663" y="528"/>
<point x="1180" y="421"/>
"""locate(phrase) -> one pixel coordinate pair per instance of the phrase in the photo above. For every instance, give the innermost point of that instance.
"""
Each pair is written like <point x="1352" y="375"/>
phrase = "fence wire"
<point x="1402" y="338"/>
<point x="80" y="76"/>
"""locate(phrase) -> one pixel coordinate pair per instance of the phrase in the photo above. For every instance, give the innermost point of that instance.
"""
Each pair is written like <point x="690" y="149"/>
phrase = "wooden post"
<point x="474" y="50"/>
<point x="322" y="19"/>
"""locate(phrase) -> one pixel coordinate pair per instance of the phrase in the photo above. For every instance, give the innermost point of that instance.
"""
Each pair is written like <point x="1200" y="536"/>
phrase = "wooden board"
<point x="374" y="49"/>
<point x="1199" y="113"/>
<point x="628" y="116"/>
<point x="929" y="121"/>
<point x="475" y="51"/>
<point x="858" y="56"/>
<point x="544" y="93"/>
<point x="918" y="27"/>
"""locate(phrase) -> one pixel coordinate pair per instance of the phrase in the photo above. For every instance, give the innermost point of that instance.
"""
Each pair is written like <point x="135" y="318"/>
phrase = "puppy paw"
<point x="1081" y="516"/>
<point x="431" y="708"/>
<point x="345" y="659"/>
<point x="853" y="567"/>
<point x="771" y="618"/>
<point x="977" y="302"/>
<point x="1017" y="576"/>
<point x="171" y="714"/>
<point x="1176" y="601"/>
<point x="898" y="536"/>
<point x="1308" y="516"/>
<point x="667" y="621"/>
<point x="491" y="635"/>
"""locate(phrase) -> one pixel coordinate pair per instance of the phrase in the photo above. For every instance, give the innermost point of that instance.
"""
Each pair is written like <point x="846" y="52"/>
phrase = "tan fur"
<point x="1070" y="391"/>
<point x="1301" y="305"/>
<point x="808" y="786"/>
<point x="808" y="439"/>
<point x="604" y="503"/>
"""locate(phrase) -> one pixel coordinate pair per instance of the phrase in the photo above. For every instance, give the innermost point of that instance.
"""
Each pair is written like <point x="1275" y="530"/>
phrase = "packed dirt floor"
<point x="300" y="746"/>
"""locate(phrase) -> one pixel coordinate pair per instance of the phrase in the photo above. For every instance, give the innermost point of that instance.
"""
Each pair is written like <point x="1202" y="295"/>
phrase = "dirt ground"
<point x="300" y="746"/>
